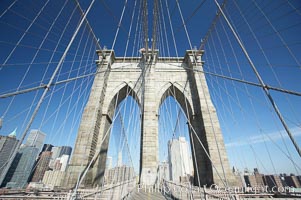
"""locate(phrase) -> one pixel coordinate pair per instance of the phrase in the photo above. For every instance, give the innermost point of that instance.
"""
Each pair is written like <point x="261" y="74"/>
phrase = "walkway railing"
<point x="188" y="191"/>
<point x="112" y="191"/>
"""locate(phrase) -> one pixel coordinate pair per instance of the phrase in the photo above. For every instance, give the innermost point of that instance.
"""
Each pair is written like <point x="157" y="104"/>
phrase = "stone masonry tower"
<point x="149" y="80"/>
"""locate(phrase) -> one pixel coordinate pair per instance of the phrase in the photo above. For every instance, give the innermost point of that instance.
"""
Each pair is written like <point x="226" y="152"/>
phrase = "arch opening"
<point x="175" y="149"/>
<point x="120" y="150"/>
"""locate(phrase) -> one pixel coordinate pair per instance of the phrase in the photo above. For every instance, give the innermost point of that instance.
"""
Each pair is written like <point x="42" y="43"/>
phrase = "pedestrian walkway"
<point x="147" y="195"/>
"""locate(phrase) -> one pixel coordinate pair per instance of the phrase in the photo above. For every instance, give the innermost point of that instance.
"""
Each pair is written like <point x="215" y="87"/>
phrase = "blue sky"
<point x="246" y="117"/>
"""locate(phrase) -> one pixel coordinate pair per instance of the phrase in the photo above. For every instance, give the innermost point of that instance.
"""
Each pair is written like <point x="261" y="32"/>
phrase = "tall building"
<point x="239" y="177"/>
<point x="7" y="146"/>
<point x="61" y="163"/>
<point x="299" y="179"/>
<point x="259" y="178"/>
<point x="36" y="139"/>
<point x="65" y="150"/>
<point x="41" y="166"/>
<point x="254" y="180"/>
<point x="273" y="181"/>
<point x="250" y="180"/>
<point x="57" y="153"/>
<point x="21" y="168"/>
<point x="179" y="159"/>
<point x="47" y="147"/>
<point x="292" y="181"/>
<point x="54" y="178"/>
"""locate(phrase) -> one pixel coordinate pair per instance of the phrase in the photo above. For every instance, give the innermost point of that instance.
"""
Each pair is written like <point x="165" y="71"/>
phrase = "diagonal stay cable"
<point x="212" y="27"/>
<point x="43" y="86"/>
<point x="242" y="81"/>
<point x="35" y="112"/>
<point x="262" y="83"/>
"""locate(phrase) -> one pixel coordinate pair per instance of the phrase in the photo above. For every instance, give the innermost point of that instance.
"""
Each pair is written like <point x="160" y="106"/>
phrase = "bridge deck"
<point x="147" y="195"/>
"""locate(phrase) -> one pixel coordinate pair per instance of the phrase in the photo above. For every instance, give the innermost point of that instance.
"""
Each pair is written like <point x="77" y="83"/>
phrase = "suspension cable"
<point x="164" y="27"/>
<point x="155" y="24"/>
<point x="171" y="28"/>
<point x="212" y="27"/>
<point x="88" y="24"/>
<point x="145" y="26"/>
<point x="130" y="30"/>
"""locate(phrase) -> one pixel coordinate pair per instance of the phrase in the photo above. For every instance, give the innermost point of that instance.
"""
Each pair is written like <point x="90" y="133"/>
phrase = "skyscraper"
<point x="47" y="147"/>
<point x="179" y="159"/>
<point x="61" y="163"/>
<point x="41" y="166"/>
<point x="57" y="153"/>
<point x="36" y="139"/>
<point x="7" y="146"/>
<point x="22" y="166"/>
<point x="65" y="150"/>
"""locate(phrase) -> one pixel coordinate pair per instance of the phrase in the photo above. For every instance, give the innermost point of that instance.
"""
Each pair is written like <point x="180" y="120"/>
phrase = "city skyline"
<point x="247" y="173"/>
<point x="253" y="135"/>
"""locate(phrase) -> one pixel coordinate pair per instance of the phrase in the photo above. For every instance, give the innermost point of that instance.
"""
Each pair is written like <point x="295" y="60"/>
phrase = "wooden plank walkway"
<point x="145" y="195"/>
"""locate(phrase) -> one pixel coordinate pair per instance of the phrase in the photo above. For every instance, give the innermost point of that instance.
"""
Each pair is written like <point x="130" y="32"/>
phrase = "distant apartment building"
<point x="254" y="180"/>
<point x="259" y="178"/>
<point x="273" y="181"/>
<point x="58" y="164"/>
<point x="7" y="146"/>
<point x="54" y="179"/>
<point x="239" y="177"/>
<point x="250" y="180"/>
<point x="292" y="181"/>
<point x="299" y="179"/>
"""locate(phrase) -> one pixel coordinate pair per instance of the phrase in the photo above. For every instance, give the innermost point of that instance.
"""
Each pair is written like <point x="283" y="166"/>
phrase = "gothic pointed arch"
<point x="118" y="94"/>
<point x="174" y="91"/>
